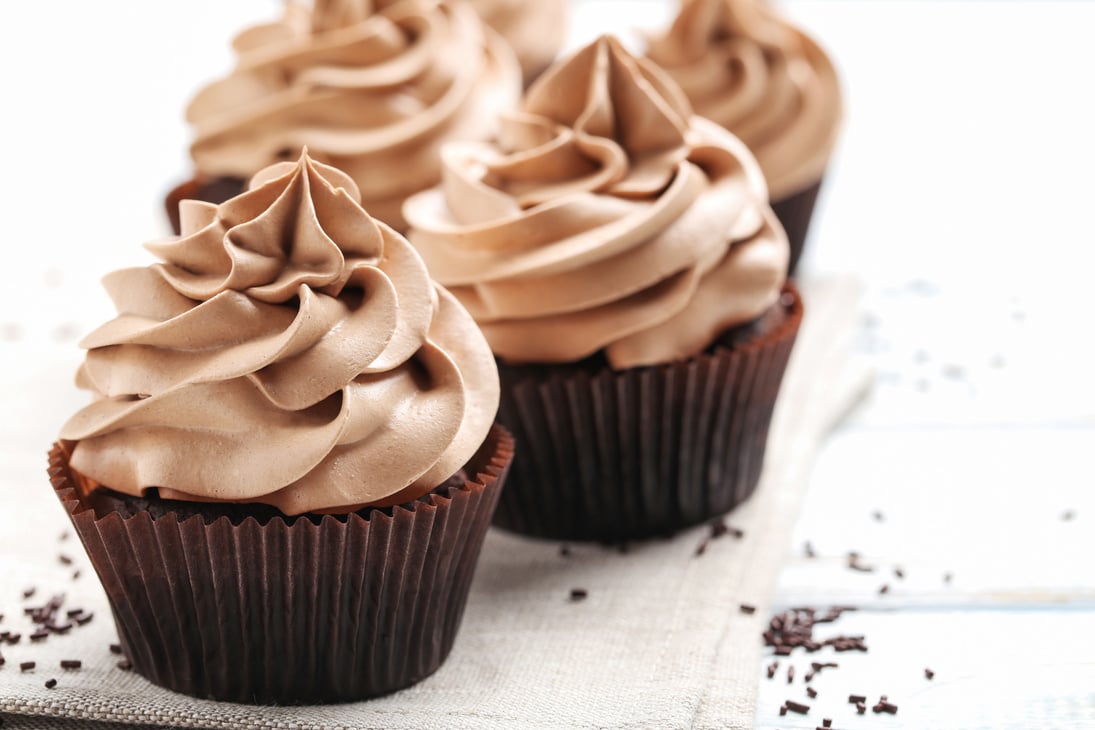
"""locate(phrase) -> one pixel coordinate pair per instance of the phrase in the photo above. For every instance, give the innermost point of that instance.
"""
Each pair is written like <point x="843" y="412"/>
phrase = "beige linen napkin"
<point x="660" y="641"/>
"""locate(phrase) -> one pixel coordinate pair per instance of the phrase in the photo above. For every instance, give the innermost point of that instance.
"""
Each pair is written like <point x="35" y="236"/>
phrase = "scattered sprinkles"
<point x="578" y="594"/>
<point x="51" y="683"/>
<point x="716" y="529"/>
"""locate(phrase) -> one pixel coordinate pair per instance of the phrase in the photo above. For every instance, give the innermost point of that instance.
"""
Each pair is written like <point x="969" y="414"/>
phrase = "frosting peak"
<point x="372" y="87"/>
<point x="288" y="350"/>
<point x="598" y="216"/>
<point x="747" y="69"/>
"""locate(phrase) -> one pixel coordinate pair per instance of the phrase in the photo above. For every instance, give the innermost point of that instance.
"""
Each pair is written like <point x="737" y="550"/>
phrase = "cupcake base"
<point x="247" y="605"/>
<point x="612" y="456"/>
<point x="216" y="191"/>
<point x="794" y="213"/>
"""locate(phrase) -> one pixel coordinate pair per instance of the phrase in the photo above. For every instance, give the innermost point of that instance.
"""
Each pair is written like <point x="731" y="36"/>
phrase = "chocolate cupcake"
<point x="370" y="88"/>
<point x="744" y="66"/>
<point x="534" y="29"/>
<point x="620" y="255"/>
<point x="289" y="465"/>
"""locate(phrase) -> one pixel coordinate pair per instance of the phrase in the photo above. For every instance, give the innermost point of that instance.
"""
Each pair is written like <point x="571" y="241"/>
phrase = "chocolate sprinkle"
<point x="899" y="572"/>
<point x="783" y="709"/>
<point x="797" y="707"/>
<point x="772" y="669"/>
<point x="115" y="648"/>
<point x="854" y="564"/>
<point x="809" y="550"/>
<point x="883" y="589"/>
<point x="65" y="560"/>
<point x="39" y="635"/>
<point x="125" y="665"/>
<point x="29" y="592"/>
<point x="884" y="706"/>
<point x="71" y="664"/>
<point x="826" y="722"/>
<point x="856" y="699"/>
<point x="860" y="708"/>
<point x="790" y="674"/>
<point x="51" y="683"/>
<point x="26" y="666"/>
<point x="564" y="551"/>
<point x="578" y="594"/>
<point x="85" y="618"/>
<point x="811" y="692"/>
<point x="747" y="608"/>
<point x="929" y="673"/>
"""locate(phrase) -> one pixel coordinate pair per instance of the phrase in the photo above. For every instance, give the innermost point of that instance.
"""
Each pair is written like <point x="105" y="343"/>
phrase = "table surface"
<point x="959" y="196"/>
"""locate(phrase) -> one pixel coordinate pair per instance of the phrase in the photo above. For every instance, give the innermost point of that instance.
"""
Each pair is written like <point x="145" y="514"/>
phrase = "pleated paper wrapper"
<point x="612" y="456"/>
<point x="795" y="213"/>
<point x="270" y="609"/>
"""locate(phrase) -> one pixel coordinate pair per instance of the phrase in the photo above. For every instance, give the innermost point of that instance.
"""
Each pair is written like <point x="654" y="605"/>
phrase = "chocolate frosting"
<point x="535" y="29"/>
<point x="604" y="217"/>
<point x="372" y="87"/>
<point x="744" y="66"/>
<point x="288" y="350"/>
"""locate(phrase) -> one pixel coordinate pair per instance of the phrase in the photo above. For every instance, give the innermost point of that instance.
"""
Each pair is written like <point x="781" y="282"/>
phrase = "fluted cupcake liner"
<point x="619" y="455"/>
<point x="216" y="190"/>
<point x="795" y="213"/>
<point x="269" y="609"/>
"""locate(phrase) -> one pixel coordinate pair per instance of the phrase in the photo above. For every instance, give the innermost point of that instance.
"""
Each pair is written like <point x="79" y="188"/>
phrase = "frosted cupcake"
<point x="372" y="88"/>
<point x="620" y="255"/>
<point x="534" y="29"/>
<point x="743" y="65"/>
<point x="289" y="465"/>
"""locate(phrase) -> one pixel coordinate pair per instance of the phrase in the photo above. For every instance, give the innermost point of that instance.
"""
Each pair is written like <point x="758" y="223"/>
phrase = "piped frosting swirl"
<point x="288" y="350"/>
<point x="534" y="29"/>
<point x="745" y="67"/>
<point x="372" y="87"/>
<point x="604" y="217"/>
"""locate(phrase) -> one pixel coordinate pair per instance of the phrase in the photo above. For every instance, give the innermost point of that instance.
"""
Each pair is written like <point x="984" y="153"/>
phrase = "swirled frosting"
<point x="745" y="67"/>
<point x="289" y="350"/>
<point x="372" y="87"/>
<point x="535" y="29"/>
<point x="605" y="217"/>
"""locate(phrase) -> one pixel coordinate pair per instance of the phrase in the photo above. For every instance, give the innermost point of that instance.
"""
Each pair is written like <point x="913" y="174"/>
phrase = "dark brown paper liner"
<point x="217" y="191"/>
<point x="291" y="610"/>
<point x="619" y="455"/>
<point x="794" y="213"/>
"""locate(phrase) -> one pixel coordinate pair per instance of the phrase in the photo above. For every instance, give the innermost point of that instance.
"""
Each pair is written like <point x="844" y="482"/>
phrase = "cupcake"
<point x="620" y="255"/>
<point x="289" y="464"/>
<point x="744" y="66"/>
<point x="535" y="29"/>
<point x="372" y="88"/>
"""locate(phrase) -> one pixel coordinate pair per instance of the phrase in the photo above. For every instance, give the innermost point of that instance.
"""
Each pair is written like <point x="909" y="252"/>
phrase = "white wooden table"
<point x="960" y="197"/>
